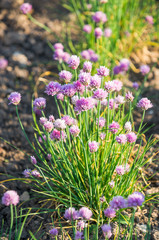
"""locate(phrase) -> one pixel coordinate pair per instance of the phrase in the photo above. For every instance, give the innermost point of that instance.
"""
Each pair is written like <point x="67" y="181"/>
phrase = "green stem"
<point x="11" y="224"/>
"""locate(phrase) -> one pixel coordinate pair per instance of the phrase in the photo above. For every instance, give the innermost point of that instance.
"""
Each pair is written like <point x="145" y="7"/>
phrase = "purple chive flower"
<point x="87" y="28"/>
<point x="131" y="137"/>
<point x="106" y="230"/>
<point x="78" y="235"/>
<point x="102" y="136"/>
<point x="110" y="212"/>
<point x="41" y="140"/>
<point x="120" y="170"/>
<point x="53" y="88"/>
<point x="48" y="126"/>
<point x="116" y="70"/>
<point x="136" y="199"/>
<point x="26" y="8"/>
<point x="84" y="104"/>
<point x="10" y="197"/>
<point x="103" y="1"/>
<point x="94" y="57"/>
<point x="43" y="120"/>
<point x="54" y="231"/>
<point x="101" y="122"/>
<point x="84" y="78"/>
<point x="127" y="34"/>
<point x="71" y="214"/>
<point x="58" y="55"/>
<point x="33" y="160"/>
<point x="135" y="85"/>
<point x="57" y="135"/>
<point x="65" y="76"/>
<point x="111" y="184"/>
<point x="74" y="99"/>
<point x="60" y="124"/>
<point x="149" y="19"/>
<point x="26" y="173"/>
<point x="14" y="98"/>
<point x="68" y="120"/>
<point x="39" y="103"/>
<point x="81" y="225"/>
<point x="85" y="213"/>
<point x="93" y="146"/>
<point x="85" y="55"/>
<point x="58" y="46"/>
<point x="65" y="57"/>
<point x="121" y="139"/>
<point x="95" y="81"/>
<point x="145" y="69"/>
<point x="102" y="199"/>
<point x="113" y="127"/>
<point x="144" y="104"/>
<point x="35" y="173"/>
<point x="51" y="118"/>
<point x="3" y="63"/>
<point x="89" y="6"/>
<point x="87" y="66"/>
<point x="74" y="62"/>
<point x="49" y="156"/>
<point x="98" y="32"/>
<point x="109" y="86"/>
<point x="117" y="85"/>
<point x="60" y="96"/>
<point x="118" y="202"/>
<point x="129" y="96"/>
<point x="68" y="90"/>
<point x="103" y="71"/>
<point x="107" y="32"/>
<point x="127" y="126"/>
<point x="100" y="94"/>
<point x="99" y="17"/>
<point x="124" y="64"/>
<point x="119" y="99"/>
<point x="74" y="130"/>
<point x="79" y="87"/>
<point x="112" y="104"/>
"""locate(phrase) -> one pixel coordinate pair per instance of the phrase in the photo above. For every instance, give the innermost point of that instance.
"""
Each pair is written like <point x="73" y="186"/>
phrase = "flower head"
<point x="145" y="69"/>
<point x="101" y="122"/>
<point x="93" y="146"/>
<point x="74" y="130"/>
<point x="78" y="235"/>
<point x="113" y="127"/>
<point x="68" y="90"/>
<point x="35" y="173"/>
<point x="149" y="19"/>
<point x="74" y="62"/>
<point x="3" y="63"/>
<point x="39" y="103"/>
<point x="71" y="214"/>
<point x="87" y="28"/>
<point x="85" y="213"/>
<point x="10" y="197"/>
<point x="81" y="225"/>
<point x="107" y="32"/>
<point x="118" y="202"/>
<point x="94" y="57"/>
<point x="98" y="32"/>
<point x="68" y="120"/>
<point x="121" y="139"/>
<point x="51" y="118"/>
<point x="99" y="17"/>
<point x="131" y="137"/>
<point x="58" y="46"/>
<point x="120" y="170"/>
<point x="103" y="71"/>
<point x="129" y="96"/>
<point x="27" y="173"/>
<point x="119" y="99"/>
<point x="87" y="66"/>
<point x="127" y="126"/>
<point x="58" y="55"/>
<point x="85" y="55"/>
<point x="65" y="57"/>
<point x="135" y="85"/>
<point x="117" y="85"/>
<point x="57" y="135"/>
<point x="144" y="104"/>
<point x="106" y="230"/>
<point x="95" y="81"/>
<point x="53" y="88"/>
<point x="48" y="126"/>
<point x="14" y="98"/>
<point x="79" y="87"/>
<point x="26" y="8"/>
<point x="102" y="136"/>
<point x="60" y="124"/>
<point x="100" y="94"/>
<point x="54" y="231"/>
<point x="136" y="199"/>
<point x="33" y="160"/>
<point x="43" y="120"/>
<point x="109" y="86"/>
<point x="124" y="64"/>
<point x="84" y="78"/>
<point x="65" y="76"/>
<point x="111" y="184"/>
<point x="60" y="96"/>
<point x="84" y="104"/>
<point x="110" y="212"/>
